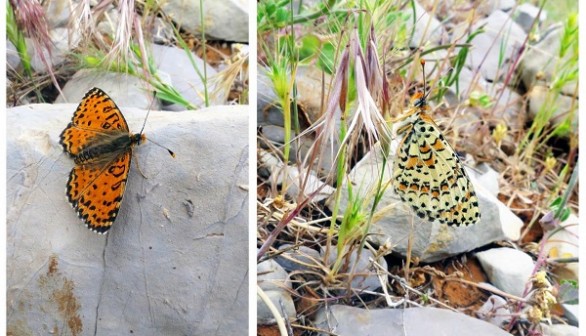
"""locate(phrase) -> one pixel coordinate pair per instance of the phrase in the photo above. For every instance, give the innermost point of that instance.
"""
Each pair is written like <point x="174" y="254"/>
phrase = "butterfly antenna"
<point x="145" y="120"/>
<point x="425" y="92"/>
<point x="158" y="144"/>
<point x="148" y="112"/>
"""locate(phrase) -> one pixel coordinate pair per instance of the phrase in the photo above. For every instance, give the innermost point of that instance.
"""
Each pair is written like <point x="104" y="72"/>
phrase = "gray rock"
<point x="428" y="29"/>
<point x="58" y="12"/>
<point x="267" y="112"/>
<point x="161" y="270"/>
<point x="62" y="40"/>
<point x="508" y="269"/>
<point x="224" y="20"/>
<point x="561" y="106"/>
<point x="542" y="58"/>
<point x="274" y="281"/>
<point x="508" y="103"/>
<point x="501" y="34"/>
<point x="270" y="117"/>
<point x="526" y="13"/>
<point x="312" y="84"/>
<point x="271" y="276"/>
<point x="276" y="135"/>
<point x="571" y="313"/>
<point x="495" y="311"/>
<point x="300" y="148"/>
<point x="431" y="241"/>
<point x="281" y="300"/>
<point x="126" y="90"/>
<point x="559" y="330"/>
<point x="468" y="82"/>
<point x="162" y="31"/>
<point x="182" y="76"/>
<point x="537" y="70"/>
<point x="368" y="278"/>
<point x="509" y="106"/>
<point x="110" y="22"/>
<point x="487" y="177"/>
<point x="12" y="58"/>
<point x="300" y="258"/>
<point x="563" y="242"/>
<point x="297" y="182"/>
<point x="347" y="321"/>
<point x="492" y="5"/>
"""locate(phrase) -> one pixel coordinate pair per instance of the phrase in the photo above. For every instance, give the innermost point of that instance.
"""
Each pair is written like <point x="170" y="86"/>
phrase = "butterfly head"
<point x="419" y="99"/>
<point x="138" y="138"/>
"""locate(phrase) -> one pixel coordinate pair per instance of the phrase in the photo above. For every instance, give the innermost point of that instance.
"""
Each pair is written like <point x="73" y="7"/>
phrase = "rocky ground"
<point x="504" y="275"/>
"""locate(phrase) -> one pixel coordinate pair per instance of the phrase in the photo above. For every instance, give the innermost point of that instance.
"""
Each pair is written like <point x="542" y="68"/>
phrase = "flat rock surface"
<point x="174" y="262"/>
<point x="346" y="321"/>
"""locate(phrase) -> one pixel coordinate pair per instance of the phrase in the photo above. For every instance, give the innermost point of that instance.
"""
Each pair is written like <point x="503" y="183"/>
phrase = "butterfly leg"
<point x="138" y="166"/>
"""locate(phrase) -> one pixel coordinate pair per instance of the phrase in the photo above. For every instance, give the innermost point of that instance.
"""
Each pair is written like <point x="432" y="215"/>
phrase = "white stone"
<point x="508" y="269"/>
<point x="563" y="242"/>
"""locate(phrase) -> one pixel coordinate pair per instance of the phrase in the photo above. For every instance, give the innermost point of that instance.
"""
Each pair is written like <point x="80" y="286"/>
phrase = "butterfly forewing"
<point x="96" y="114"/>
<point x="96" y="191"/>
<point x="429" y="176"/>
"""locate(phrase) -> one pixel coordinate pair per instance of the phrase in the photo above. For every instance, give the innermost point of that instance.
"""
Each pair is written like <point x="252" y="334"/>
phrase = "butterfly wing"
<point x="96" y="114"/>
<point x="428" y="175"/>
<point x="96" y="192"/>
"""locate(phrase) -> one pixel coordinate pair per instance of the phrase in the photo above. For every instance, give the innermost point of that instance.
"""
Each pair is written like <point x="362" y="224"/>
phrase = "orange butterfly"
<point x="100" y="143"/>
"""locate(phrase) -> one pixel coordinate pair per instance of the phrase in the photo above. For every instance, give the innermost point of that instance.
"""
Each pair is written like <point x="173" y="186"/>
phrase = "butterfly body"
<point x="428" y="175"/>
<point x="106" y="145"/>
<point x="101" y="145"/>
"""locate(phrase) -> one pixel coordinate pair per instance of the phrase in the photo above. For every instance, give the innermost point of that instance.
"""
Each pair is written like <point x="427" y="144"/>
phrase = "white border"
<point x="582" y="172"/>
<point x="3" y="170"/>
<point x="252" y="94"/>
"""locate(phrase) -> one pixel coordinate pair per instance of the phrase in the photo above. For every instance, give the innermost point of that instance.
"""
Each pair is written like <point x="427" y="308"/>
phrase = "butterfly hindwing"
<point x="96" y="192"/>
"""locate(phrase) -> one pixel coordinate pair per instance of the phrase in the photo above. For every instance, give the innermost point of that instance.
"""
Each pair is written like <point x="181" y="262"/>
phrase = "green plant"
<point x="565" y="73"/>
<point x="16" y="36"/>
